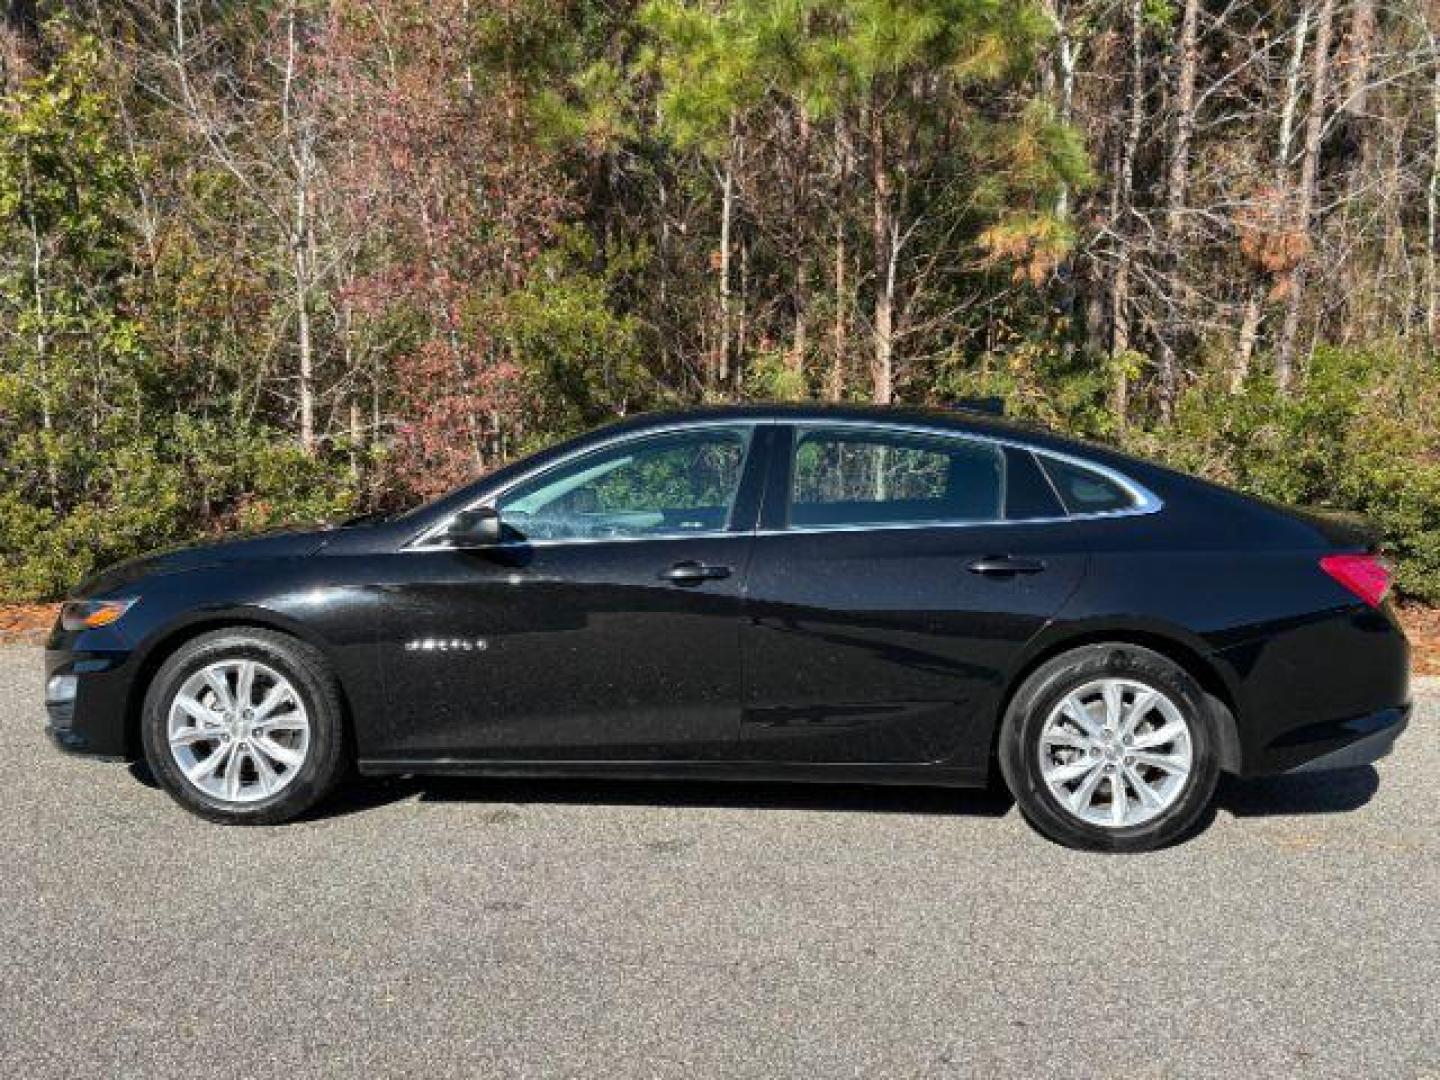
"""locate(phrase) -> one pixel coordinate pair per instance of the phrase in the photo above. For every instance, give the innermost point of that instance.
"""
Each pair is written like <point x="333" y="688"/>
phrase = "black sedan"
<point x="816" y="594"/>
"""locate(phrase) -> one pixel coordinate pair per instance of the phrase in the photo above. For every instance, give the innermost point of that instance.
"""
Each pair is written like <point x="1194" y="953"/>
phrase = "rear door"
<point x="891" y="590"/>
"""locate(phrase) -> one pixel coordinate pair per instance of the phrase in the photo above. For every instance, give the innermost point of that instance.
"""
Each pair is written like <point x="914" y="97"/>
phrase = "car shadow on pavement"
<point x="368" y="792"/>
<point x="1275" y="796"/>
<point x="1300" y="793"/>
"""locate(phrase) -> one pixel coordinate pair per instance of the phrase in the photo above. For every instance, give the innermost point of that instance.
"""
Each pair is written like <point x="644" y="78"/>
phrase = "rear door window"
<point x="842" y="477"/>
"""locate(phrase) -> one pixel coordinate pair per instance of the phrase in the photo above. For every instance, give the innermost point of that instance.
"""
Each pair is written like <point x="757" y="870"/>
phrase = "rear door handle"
<point x="1005" y="566"/>
<point x="692" y="573"/>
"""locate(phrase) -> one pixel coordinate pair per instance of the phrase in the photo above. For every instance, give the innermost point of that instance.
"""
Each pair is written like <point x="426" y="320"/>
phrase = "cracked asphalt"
<point x="499" y="929"/>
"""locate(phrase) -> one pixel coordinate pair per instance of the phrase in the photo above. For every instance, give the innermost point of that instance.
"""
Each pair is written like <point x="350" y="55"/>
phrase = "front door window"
<point x="680" y="484"/>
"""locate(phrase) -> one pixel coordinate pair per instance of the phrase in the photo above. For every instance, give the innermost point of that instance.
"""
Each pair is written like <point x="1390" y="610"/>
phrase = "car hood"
<point x="288" y="543"/>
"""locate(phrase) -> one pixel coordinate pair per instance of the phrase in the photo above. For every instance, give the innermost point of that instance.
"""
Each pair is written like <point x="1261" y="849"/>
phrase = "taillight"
<point x="1366" y="576"/>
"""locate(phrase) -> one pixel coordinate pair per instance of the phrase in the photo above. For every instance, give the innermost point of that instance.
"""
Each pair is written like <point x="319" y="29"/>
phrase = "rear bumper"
<point x="1309" y="688"/>
<point x="1371" y="738"/>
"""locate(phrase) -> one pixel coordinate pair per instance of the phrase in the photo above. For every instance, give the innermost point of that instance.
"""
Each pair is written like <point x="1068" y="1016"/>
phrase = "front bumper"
<point x="1372" y="738"/>
<point x="73" y="742"/>
<point x="93" y="721"/>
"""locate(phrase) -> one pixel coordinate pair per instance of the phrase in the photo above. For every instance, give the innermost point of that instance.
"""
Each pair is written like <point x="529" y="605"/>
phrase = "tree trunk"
<point x="835" y="386"/>
<point x="882" y="367"/>
<point x="1432" y="209"/>
<point x="1245" y="341"/>
<point x="1355" y="90"/>
<point x="1177" y="177"/>
<point x="1309" y="166"/>
<point x="1360" y="50"/>
<point x="835" y="382"/>
<point x="42" y="358"/>
<point x="1361" y="150"/>
<point x="727" y="216"/>
<point x="1066" y="56"/>
<point x="301" y="233"/>
<point x="742" y="328"/>
<point x="795" y="355"/>
<point x="304" y="342"/>
<point x="662" y="266"/>
<point x="355" y="425"/>
<point x="1120" y="344"/>
<point x="1286" y="137"/>
<point x="1120" y="202"/>
<point x="1254" y="308"/>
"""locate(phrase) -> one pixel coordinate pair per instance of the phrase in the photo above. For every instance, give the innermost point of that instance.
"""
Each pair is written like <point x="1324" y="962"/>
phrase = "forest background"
<point x="294" y="260"/>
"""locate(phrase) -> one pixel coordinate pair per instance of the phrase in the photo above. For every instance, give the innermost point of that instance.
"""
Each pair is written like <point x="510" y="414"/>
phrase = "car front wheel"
<point x="244" y="726"/>
<point x="1110" y="747"/>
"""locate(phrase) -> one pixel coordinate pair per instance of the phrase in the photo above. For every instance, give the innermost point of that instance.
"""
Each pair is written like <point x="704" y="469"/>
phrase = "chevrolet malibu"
<point x="813" y="594"/>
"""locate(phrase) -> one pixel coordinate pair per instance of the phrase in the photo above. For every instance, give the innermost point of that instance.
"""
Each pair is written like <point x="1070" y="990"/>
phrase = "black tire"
<point x="1047" y="687"/>
<point x="310" y="676"/>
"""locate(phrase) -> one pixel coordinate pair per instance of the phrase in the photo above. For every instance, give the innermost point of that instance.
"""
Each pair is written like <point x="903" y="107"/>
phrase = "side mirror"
<point x="475" y="528"/>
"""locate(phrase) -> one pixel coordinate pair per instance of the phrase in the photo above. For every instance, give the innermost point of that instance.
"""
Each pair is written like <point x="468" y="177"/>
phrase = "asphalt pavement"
<point x="498" y="929"/>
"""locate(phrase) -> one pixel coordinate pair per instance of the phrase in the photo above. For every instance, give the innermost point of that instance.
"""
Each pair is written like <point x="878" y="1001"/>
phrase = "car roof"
<point x="958" y="419"/>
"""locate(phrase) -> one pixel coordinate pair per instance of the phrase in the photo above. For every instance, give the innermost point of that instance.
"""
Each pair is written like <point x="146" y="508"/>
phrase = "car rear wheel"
<point x="1110" y="747"/>
<point x="245" y="727"/>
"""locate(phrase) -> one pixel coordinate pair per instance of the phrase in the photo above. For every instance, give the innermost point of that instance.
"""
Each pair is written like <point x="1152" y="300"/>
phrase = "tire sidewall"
<point x="1047" y="687"/>
<point x="305" y="669"/>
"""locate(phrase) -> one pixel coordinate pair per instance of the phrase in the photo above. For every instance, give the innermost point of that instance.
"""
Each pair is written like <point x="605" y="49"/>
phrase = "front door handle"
<point x="1005" y="566"/>
<point x="692" y="573"/>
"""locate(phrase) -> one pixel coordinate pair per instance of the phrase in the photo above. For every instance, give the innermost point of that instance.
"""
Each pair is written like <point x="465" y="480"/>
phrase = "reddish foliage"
<point x="438" y="159"/>
<point x="457" y="405"/>
<point x="1270" y="237"/>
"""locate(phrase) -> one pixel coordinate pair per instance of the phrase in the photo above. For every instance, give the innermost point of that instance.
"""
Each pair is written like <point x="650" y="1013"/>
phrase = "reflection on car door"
<point x="889" y="597"/>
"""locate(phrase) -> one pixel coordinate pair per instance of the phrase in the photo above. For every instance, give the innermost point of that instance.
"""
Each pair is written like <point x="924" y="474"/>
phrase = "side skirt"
<point x="797" y="772"/>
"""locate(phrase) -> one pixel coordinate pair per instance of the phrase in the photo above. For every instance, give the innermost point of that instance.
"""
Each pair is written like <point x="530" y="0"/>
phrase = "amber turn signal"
<point x="92" y="614"/>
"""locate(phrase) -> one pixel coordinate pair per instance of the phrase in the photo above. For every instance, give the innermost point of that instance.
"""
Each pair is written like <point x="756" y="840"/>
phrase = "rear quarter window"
<point x="1084" y="490"/>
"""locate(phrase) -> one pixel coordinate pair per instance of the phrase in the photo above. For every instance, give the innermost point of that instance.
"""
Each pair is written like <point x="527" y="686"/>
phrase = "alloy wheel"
<point x="238" y="731"/>
<point x="1116" y="753"/>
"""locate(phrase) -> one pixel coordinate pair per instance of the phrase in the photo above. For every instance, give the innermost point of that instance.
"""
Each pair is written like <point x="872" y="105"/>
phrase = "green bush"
<point x="196" y="481"/>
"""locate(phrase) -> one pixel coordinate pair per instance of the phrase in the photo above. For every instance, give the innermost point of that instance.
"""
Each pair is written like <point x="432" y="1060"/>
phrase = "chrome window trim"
<point x="917" y="526"/>
<point x="1146" y="501"/>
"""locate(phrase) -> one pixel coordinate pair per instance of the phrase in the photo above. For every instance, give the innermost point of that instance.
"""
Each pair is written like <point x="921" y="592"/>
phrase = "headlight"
<point x="92" y="614"/>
